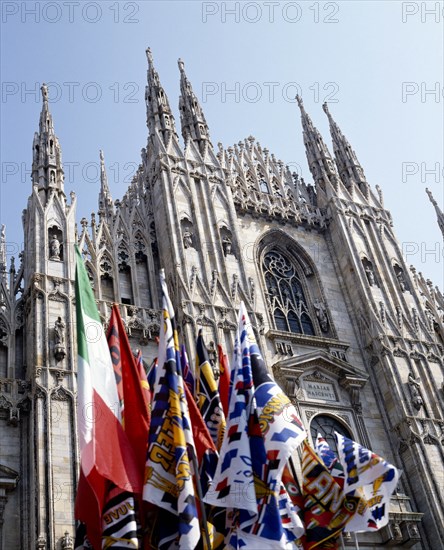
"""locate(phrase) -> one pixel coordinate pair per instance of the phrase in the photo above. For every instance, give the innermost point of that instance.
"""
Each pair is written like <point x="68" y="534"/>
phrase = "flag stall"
<point x="155" y="436"/>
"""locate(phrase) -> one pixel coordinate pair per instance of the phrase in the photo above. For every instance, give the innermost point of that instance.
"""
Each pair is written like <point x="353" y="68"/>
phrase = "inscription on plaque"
<point x="320" y="390"/>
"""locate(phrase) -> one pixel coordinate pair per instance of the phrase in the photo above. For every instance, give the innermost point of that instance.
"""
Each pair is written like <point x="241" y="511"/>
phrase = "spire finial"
<point x="300" y="102"/>
<point x="181" y="65"/>
<point x="44" y="90"/>
<point x="325" y="108"/>
<point x="432" y="200"/>
<point x="149" y="56"/>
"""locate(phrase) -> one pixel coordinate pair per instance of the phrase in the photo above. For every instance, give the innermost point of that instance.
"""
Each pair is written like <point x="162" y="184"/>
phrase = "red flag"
<point x="224" y="380"/>
<point x="135" y="412"/>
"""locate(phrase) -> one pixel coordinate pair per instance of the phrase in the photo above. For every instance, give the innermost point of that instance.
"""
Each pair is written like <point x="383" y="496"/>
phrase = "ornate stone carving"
<point x="67" y="542"/>
<point x="59" y="339"/>
<point x="414" y="385"/>
<point x="321" y="314"/>
<point x="54" y="248"/>
<point x="187" y="238"/>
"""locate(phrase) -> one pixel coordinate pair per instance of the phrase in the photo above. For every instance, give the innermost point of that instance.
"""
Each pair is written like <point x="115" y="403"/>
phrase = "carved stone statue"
<point x="59" y="339"/>
<point x="187" y="239"/>
<point x="67" y="542"/>
<point x="226" y="245"/>
<point x="397" y="534"/>
<point x="321" y="314"/>
<point x="414" y="384"/>
<point x="54" y="248"/>
<point x="401" y="281"/>
<point x="370" y="275"/>
<point x="59" y="334"/>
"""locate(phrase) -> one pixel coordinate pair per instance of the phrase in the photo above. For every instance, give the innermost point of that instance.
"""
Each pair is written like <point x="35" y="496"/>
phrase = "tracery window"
<point x="286" y="295"/>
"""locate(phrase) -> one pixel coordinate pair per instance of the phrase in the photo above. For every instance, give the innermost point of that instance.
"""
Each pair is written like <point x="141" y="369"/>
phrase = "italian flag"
<point x="105" y="453"/>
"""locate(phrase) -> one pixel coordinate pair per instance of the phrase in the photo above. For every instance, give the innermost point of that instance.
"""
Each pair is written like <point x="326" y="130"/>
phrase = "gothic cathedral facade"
<point x="353" y="334"/>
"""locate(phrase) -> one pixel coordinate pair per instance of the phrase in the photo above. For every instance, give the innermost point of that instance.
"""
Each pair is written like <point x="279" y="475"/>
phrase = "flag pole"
<point x="356" y="541"/>
<point x="204" y="523"/>
<point x="342" y="542"/>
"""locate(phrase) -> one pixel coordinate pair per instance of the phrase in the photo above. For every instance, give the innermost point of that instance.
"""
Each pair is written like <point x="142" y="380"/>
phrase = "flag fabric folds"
<point x="105" y="452"/>
<point x="131" y="386"/>
<point x="168" y="472"/>
<point x="224" y="379"/>
<point x="376" y="479"/>
<point x="326" y="509"/>
<point x="262" y="431"/>
<point x="208" y="394"/>
<point x="187" y="374"/>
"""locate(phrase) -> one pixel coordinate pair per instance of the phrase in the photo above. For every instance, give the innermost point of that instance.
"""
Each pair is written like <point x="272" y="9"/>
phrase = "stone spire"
<point x="192" y="118"/>
<point x="160" y="118"/>
<point x="439" y="212"/>
<point x="47" y="168"/>
<point x="349" y="168"/>
<point x="319" y="158"/>
<point x="106" y="205"/>
<point x="3" y="249"/>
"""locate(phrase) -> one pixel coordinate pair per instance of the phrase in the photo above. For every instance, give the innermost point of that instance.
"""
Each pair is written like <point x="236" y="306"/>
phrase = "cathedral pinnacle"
<point x="106" y="206"/>
<point x="192" y="118"/>
<point x="349" y="168"/>
<point x="318" y="156"/>
<point x="47" y="168"/>
<point x="159" y="115"/>
<point x="439" y="212"/>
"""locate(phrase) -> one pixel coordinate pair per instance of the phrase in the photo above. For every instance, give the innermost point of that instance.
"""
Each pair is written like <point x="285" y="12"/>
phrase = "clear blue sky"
<point x="357" y="55"/>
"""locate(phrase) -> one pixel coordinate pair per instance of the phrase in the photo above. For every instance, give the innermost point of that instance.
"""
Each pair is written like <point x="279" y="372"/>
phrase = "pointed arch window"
<point x="286" y="295"/>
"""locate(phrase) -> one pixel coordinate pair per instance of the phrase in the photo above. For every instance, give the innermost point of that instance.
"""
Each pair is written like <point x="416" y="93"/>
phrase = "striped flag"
<point x="105" y="452"/>
<point x="370" y="474"/>
<point x="208" y="394"/>
<point x="169" y="472"/>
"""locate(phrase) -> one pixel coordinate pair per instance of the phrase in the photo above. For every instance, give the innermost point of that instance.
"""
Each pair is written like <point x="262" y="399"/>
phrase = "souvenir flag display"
<point x="375" y="477"/>
<point x="105" y="452"/>
<point x="326" y="509"/>
<point x="208" y="394"/>
<point x="187" y="374"/>
<point x="169" y="473"/>
<point x="224" y="379"/>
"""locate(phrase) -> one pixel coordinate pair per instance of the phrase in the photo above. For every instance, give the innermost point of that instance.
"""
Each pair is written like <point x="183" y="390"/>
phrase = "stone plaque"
<point x="320" y="390"/>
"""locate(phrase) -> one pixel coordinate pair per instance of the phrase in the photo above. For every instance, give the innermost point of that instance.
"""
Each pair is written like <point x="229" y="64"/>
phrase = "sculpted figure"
<point x="54" y="248"/>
